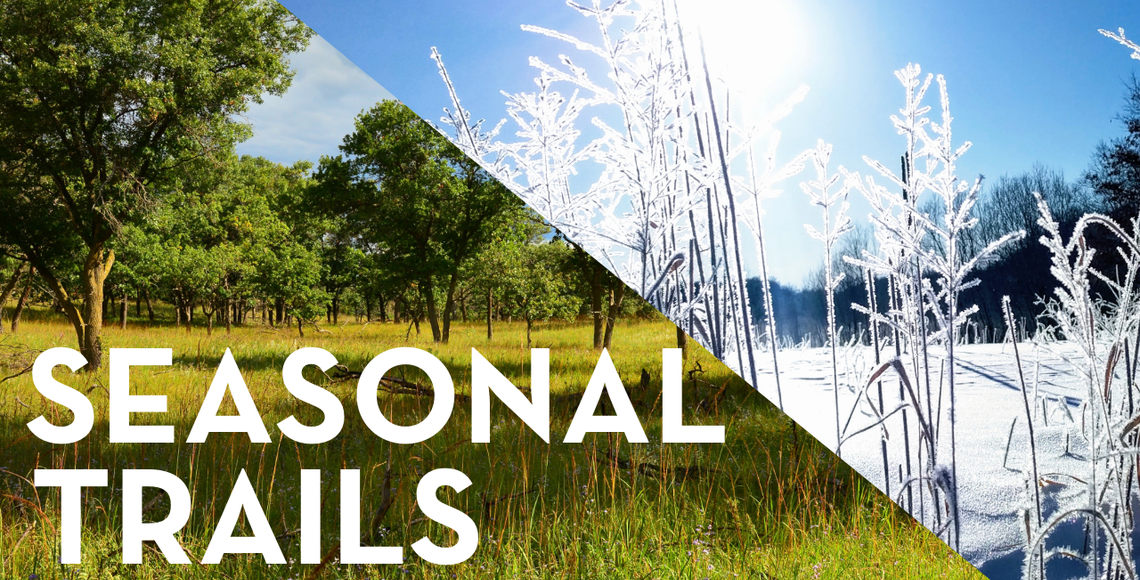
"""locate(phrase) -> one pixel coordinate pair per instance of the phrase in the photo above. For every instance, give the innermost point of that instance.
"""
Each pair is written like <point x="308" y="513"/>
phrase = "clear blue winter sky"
<point x="1029" y="81"/>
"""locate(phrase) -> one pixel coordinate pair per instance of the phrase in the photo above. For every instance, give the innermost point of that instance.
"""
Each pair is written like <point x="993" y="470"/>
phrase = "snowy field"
<point x="993" y="481"/>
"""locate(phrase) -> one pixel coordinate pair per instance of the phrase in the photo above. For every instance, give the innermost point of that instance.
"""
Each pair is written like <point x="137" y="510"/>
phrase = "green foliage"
<point x="101" y="100"/>
<point x="417" y="198"/>
<point x="343" y="267"/>
<point x="119" y="124"/>
<point x="224" y="235"/>
<point x="533" y="288"/>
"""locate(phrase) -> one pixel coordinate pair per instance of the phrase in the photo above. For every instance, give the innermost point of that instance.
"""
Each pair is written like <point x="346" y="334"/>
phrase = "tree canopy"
<point x="119" y="178"/>
<point x="100" y="101"/>
<point x="404" y="187"/>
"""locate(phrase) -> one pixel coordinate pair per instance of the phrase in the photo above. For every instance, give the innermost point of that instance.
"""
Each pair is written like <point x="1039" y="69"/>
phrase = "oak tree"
<point x="99" y="100"/>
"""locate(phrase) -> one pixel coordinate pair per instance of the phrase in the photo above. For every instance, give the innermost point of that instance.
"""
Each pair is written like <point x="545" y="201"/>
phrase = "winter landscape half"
<point x="970" y="347"/>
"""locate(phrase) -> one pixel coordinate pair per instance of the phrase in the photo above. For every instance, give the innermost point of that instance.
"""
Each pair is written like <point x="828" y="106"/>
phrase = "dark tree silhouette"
<point x="1115" y="172"/>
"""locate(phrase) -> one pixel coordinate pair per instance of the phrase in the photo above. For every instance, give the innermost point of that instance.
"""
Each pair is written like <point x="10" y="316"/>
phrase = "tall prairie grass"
<point x="769" y="503"/>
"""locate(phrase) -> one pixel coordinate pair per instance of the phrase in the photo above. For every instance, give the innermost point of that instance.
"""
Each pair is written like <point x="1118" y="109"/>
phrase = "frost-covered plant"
<point x="760" y="188"/>
<point x="643" y="156"/>
<point x="819" y="191"/>
<point x="666" y="196"/>
<point x="469" y="135"/>
<point x="899" y="236"/>
<point x="922" y="253"/>
<point x="950" y="266"/>
<point x="1101" y="330"/>
<point x="643" y="159"/>
<point x="547" y="155"/>
<point x="1118" y="36"/>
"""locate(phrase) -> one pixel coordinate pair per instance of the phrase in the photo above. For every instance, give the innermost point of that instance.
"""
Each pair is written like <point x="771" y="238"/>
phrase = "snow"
<point x="992" y="485"/>
<point x="663" y="216"/>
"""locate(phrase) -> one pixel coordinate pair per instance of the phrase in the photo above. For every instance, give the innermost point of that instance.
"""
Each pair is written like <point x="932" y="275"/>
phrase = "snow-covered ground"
<point x="993" y="486"/>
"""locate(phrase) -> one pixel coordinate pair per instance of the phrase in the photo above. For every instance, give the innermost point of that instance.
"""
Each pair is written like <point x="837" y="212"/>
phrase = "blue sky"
<point x="327" y="93"/>
<point x="1029" y="81"/>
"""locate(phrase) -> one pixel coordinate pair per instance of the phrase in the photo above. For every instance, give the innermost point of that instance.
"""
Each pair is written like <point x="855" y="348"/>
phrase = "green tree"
<point x="427" y="206"/>
<point x="142" y="261"/>
<point x="485" y="274"/>
<point x="293" y="274"/>
<point x="227" y="231"/>
<point x="99" y="100"/>
<point x="289" y="262"/>
<point x="605" y="290"/>
<point x="534" y="288"/>
<point x="343" y="266"/>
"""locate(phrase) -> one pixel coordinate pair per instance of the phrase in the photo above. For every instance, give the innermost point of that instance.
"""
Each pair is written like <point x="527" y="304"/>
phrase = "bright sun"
<point x="753" y="45"/>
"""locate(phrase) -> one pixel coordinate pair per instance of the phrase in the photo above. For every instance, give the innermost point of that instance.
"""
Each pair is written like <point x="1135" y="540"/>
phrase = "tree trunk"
<point x="88" y="322"/>
<point x="449" y="306"/>
<point x="149" y="306"/>
<point x="336" y="309"/>
<point x="22" y="303"/>
<point x="73" y="313"/>
<point x="490" y="309"/>
<point x="7" y="293"/>
<point x="432" y="313"/>
<point x="529" y="323"/>
<point x="209" y="319"/>
<point x="95" y="270"/>
<point x="683" y="342"/>
<point x="300" y="327"/>
<point x="280" y="305"/>
<point x="227" y="314"/>
<point x="123" y="311"/>
<point x="616" y="297"/>
<point x="596" y="309"/>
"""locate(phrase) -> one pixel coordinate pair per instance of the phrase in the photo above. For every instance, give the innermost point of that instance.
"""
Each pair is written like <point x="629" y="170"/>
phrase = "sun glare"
<point x="753" y="45"/>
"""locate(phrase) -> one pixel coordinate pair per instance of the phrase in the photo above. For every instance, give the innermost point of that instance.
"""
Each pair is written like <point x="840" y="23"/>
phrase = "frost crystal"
<point x="666" y="186"/>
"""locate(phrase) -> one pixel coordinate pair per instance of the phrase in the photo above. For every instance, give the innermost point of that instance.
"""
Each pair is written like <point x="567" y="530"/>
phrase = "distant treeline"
<point x="1021" y="270"/>
<point x="1110" y="186"/>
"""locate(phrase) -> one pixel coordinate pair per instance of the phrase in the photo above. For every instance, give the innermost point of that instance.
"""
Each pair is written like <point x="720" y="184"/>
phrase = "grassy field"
<point x="770" y="503"/>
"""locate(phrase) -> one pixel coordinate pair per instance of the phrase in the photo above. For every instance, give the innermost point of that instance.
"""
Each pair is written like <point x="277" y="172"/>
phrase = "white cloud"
<point x="312" y="118"/>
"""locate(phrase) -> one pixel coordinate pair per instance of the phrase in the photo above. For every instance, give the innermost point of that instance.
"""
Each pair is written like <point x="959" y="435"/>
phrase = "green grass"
<point x="770" y="503"/>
